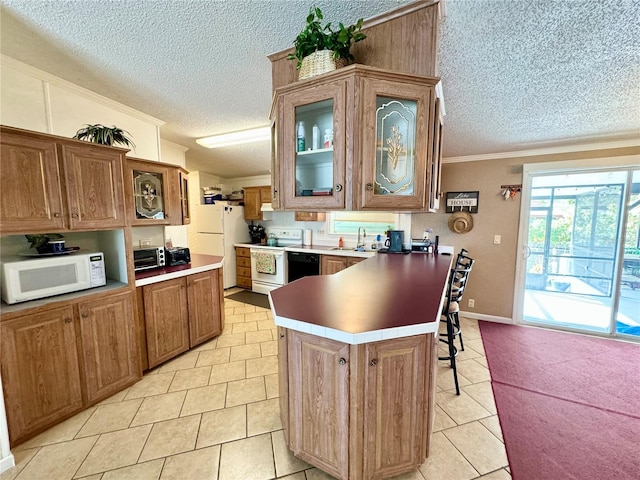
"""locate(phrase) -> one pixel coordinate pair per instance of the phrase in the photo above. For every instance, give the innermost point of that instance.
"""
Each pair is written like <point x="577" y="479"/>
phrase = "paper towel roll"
<point x="306" y="239"/>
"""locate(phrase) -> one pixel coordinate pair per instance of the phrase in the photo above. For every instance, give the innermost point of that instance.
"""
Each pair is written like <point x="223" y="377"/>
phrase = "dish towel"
<point x="265" y="262"/>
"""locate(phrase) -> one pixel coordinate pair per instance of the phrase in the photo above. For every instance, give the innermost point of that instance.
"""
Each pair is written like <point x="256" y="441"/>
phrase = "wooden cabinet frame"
<point x="373" y="399"/>
<point x="55" y="184"/>
<point x="354" y="90"/>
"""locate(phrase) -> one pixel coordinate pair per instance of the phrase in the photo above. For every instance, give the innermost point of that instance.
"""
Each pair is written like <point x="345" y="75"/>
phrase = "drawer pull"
<point x="84" y="315"/>
<point x="342" y="361"/>
<point x="57" y="215"/>
<point x="74" y="215"/>
<point x="338" y="187"/>
<point x="67" y="320"/>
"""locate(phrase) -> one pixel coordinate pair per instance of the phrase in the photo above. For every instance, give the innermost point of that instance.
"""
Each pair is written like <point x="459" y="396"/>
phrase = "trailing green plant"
<point x="315" y="37"/>
<point x="40" y="241"/>
<point x="104" y="135"/>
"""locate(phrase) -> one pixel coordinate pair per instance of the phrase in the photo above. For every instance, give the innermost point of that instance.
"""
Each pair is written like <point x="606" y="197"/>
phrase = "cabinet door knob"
<point x="57" y="214"/>
<point x="339" y="187"/>
<point x="369" y="186"/>
<point x="373" y="362"/>
<point x="342" y="361"/>
<point x="74" y="215"/>
<point x="67" y="320"/>
<point x="84" y="315"/>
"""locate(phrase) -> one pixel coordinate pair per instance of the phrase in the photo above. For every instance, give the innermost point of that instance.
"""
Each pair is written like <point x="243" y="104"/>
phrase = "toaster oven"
<point x="148" y="258"/>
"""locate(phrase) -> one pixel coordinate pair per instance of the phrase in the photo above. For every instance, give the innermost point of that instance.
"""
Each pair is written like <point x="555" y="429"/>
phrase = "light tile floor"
<point x="213" y="413"/>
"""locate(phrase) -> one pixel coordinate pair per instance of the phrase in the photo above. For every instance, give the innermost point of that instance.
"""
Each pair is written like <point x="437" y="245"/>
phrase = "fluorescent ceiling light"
<point x="236" y="138"/>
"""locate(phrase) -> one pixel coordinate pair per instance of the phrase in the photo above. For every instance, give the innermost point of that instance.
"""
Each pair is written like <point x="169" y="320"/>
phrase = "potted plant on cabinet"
<point x="320" y="49"/>
<point x="104" y="135"/>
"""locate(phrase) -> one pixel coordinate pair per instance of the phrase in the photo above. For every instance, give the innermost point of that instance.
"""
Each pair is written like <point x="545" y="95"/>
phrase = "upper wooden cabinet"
<point x="157" y="193"/>
<point x="254" y="197"/>
<point x="373" y="142"/>
<point x="51" y="183"/>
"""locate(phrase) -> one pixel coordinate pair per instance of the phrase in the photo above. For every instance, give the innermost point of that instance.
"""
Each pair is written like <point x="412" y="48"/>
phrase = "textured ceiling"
<point x="516" y="74"/>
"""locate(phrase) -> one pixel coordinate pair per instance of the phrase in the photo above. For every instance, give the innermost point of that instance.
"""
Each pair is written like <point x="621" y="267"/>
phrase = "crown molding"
<point x="585" y="147"/>
<point x="73" y="88"/>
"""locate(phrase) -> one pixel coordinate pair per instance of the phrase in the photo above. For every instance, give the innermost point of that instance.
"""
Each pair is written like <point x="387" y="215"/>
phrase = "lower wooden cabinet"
<point x="179" y="314"/>
<point x="40" y="371"/>
<point x="59" y="360"/>
<point x="205" y="303"/>
<point x="166" y="320"/>
<point x="356" y="411"/>
<point x="109" y="348"/>
<point x="243" y="267"/>
<point x="330" y="264"/>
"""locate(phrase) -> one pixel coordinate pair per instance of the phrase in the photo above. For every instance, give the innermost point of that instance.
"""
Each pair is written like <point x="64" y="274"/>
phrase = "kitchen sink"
<point x="365" y="250"/>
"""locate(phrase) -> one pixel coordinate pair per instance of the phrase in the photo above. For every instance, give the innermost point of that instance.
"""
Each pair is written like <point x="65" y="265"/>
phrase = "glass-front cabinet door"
<point x="147" y="188"/>
<point x="396" y="132"/>
<point x="314" y="147"/>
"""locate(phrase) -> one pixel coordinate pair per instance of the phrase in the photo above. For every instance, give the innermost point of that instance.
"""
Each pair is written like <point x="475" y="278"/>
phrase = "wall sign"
<point x="462" y="202"/>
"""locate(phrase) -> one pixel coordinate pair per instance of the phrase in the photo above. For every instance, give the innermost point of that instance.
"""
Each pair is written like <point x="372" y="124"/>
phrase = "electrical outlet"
<point x="497" y="239"/>
<point x="145" y="242"/>
<point x="320" y="231"/>
<point x="471" y="303"/>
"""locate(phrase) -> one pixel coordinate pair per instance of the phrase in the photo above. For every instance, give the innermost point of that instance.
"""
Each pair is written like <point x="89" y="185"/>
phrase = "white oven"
<point x="269" y="264"/>
<point x="268" y="268"/>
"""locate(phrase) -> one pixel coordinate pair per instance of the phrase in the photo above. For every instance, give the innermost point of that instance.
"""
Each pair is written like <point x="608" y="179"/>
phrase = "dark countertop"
<point x="199" y="263"/>
<point x="385" y="296"/>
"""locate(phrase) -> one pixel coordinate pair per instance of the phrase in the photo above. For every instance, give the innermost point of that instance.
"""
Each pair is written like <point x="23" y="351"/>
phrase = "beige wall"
<point x="491" y="284"/>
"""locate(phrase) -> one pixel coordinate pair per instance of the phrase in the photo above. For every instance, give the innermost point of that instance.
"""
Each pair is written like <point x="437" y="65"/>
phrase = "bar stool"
<point x="458" y="278"/>
<point x="464" y="260"/>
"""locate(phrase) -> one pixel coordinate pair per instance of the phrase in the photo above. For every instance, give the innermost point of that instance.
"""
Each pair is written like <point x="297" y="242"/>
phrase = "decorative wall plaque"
<point x="462" y="202"/>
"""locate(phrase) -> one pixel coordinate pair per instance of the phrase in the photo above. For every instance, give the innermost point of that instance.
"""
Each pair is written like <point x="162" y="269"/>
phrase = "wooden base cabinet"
<point x="109" y="348"/>
<point x="166" y="320"/>
<point x="60" y="360"/>
<point x="243" y="267"/>
<point x="330" y="264"/>
<point x="179" y="314"/>
<point x="40" y="371"/>
<point x="357" y="411"/>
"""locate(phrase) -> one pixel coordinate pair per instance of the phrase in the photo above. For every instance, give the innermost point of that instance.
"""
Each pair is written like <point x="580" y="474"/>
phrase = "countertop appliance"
<point x="269" y="263"/>
<point x="49" y="275"/>
<point x="302" y="265"/>
<point x="219" y="227"/>
<point x="148" y="257"/>
<point x="177" y="256"/>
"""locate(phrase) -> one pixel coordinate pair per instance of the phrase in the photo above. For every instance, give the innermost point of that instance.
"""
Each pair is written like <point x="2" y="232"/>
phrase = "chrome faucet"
<point x="364" y="235"/>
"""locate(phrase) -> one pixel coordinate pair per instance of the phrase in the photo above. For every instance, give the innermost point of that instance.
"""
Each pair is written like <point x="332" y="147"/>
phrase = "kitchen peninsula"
<point x="357" y="355"/>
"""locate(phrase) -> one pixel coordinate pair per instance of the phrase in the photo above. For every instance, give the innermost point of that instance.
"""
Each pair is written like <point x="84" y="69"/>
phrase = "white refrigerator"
<point x="218" y="228"/>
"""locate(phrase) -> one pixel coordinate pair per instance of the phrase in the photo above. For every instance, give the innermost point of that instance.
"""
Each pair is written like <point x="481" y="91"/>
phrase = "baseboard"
<point x="7" y="462"/>
<point x="488" y="318"/>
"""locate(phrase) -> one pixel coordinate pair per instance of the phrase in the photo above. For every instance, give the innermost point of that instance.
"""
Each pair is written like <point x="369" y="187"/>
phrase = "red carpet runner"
<point x="569" y="405"/>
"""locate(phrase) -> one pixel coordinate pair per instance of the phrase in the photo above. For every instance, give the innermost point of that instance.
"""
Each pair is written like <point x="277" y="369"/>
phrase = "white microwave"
<point x="33" y="278"/>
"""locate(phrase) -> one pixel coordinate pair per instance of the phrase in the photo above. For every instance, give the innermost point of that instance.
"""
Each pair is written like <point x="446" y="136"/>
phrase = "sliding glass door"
<point x="628" y="305"/>
<point x="579" y="244"/>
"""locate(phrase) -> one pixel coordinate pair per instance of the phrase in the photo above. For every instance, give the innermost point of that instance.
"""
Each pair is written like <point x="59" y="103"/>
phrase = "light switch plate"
<point x="145" y="242"/>
<point x="497" y="239"/>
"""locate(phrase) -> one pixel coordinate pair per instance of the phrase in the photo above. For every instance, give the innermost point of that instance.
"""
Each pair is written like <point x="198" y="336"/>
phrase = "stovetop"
<point x="287" y="237"/>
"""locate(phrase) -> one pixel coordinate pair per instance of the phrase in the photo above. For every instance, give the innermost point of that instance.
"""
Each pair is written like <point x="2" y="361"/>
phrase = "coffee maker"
<point x="395" y="239"/>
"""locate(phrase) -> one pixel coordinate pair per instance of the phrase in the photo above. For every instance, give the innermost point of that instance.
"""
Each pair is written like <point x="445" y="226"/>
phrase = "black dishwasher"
<point x="302" y="265"/>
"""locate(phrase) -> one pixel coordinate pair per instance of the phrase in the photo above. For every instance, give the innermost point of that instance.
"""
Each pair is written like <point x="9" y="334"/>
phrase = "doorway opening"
<point x="579" y="238"/>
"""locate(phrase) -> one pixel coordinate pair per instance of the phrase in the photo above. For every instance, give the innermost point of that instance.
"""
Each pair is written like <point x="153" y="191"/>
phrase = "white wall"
<point x="35" y="100"/>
